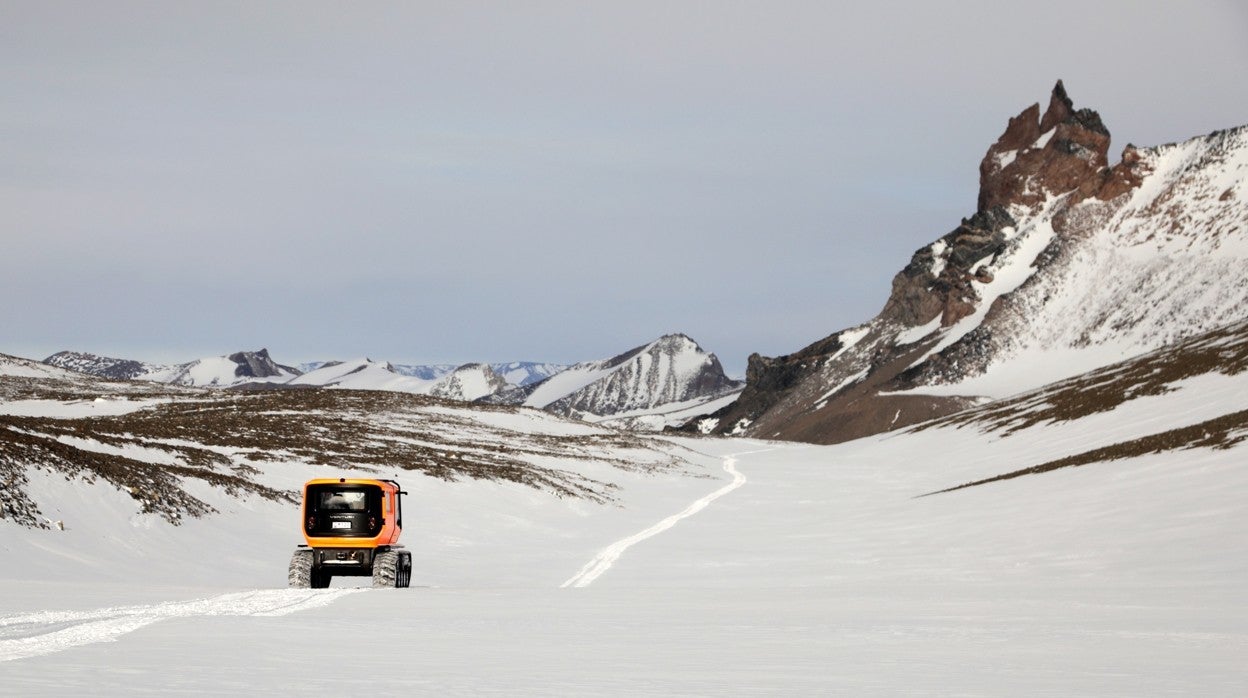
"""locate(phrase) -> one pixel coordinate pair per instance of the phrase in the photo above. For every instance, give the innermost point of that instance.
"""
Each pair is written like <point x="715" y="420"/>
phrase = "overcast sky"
<point x="460" y="181"/>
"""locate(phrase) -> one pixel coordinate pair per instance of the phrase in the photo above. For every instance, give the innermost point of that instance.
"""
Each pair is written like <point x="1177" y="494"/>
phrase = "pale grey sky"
<point x="556" y="181"/>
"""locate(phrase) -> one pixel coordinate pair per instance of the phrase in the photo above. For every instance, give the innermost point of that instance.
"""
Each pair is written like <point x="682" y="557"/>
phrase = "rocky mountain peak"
<point x="1061" y="108"/>
<point x="258" y="364"/>
<point x="1063" y="150"/>
<point x="675" y="344"/>
<point x="670" y="370"/>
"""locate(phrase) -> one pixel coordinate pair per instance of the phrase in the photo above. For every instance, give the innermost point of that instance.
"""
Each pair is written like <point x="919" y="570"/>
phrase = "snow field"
<point x="820" y="574"/>
<point x="763" y="568"/>
<point x="605" y="559"/>
<point x="74" y="409"/>
<point x="47" y="632"/>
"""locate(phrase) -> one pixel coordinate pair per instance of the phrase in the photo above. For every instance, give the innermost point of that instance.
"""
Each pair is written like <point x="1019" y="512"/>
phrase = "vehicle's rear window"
<point x="342" y="500"/>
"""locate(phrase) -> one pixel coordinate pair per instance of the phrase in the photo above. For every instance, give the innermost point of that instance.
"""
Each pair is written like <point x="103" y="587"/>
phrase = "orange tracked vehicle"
<point x="352" y="529"/>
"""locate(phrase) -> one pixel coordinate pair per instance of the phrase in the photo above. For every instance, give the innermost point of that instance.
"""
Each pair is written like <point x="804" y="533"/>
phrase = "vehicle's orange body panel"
<point x="390" y="530"/>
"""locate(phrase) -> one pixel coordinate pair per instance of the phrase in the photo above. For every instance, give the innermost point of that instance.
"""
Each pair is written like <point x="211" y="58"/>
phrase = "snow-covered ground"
<point x="761" y="568"/>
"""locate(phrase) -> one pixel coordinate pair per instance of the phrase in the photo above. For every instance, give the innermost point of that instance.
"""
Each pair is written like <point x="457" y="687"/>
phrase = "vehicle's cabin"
<point x="346" y="510"/>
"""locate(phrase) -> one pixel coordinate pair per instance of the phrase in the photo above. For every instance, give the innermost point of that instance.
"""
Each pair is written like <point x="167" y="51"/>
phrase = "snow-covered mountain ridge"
<point x="1068" y="265"/>
<point x="672" y="370"/>
<point x="102" y="366"/>
<point x="649" y="387"/>
<point x="467" y="382"/>
<point x="519" y="373"/>
<point x="251" y="367"/>
<point x="218" y="371"/>
<point x="225" y="371"/>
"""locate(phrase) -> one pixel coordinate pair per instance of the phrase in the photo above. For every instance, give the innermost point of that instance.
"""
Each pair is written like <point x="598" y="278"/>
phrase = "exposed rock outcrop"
<point x="100" y="366"/>
<point x="258" y="364"/>
<point x="1063" y="150"/>
<point x="936" y="282"/>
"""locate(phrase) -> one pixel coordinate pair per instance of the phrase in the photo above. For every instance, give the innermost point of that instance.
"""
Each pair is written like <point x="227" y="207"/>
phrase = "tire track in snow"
<point x="46" y="632"/>
<point x="607" y="557"/>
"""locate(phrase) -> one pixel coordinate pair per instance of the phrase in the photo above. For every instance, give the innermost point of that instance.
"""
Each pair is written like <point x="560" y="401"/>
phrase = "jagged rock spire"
<point x="1063" y="150"/>
<point x="1060" y="108"/>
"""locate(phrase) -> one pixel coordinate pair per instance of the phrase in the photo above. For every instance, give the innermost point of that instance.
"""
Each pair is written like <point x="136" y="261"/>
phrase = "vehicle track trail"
<point x="45" y="632"/>
<point x="608" y="555"/>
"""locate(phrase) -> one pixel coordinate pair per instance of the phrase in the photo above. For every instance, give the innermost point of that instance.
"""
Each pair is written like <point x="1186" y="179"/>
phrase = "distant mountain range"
<point x="468" y="382"/>
<point x="514" y="372"/>
<point x="1068" y="264"/>
<point x="659" y="384"/>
